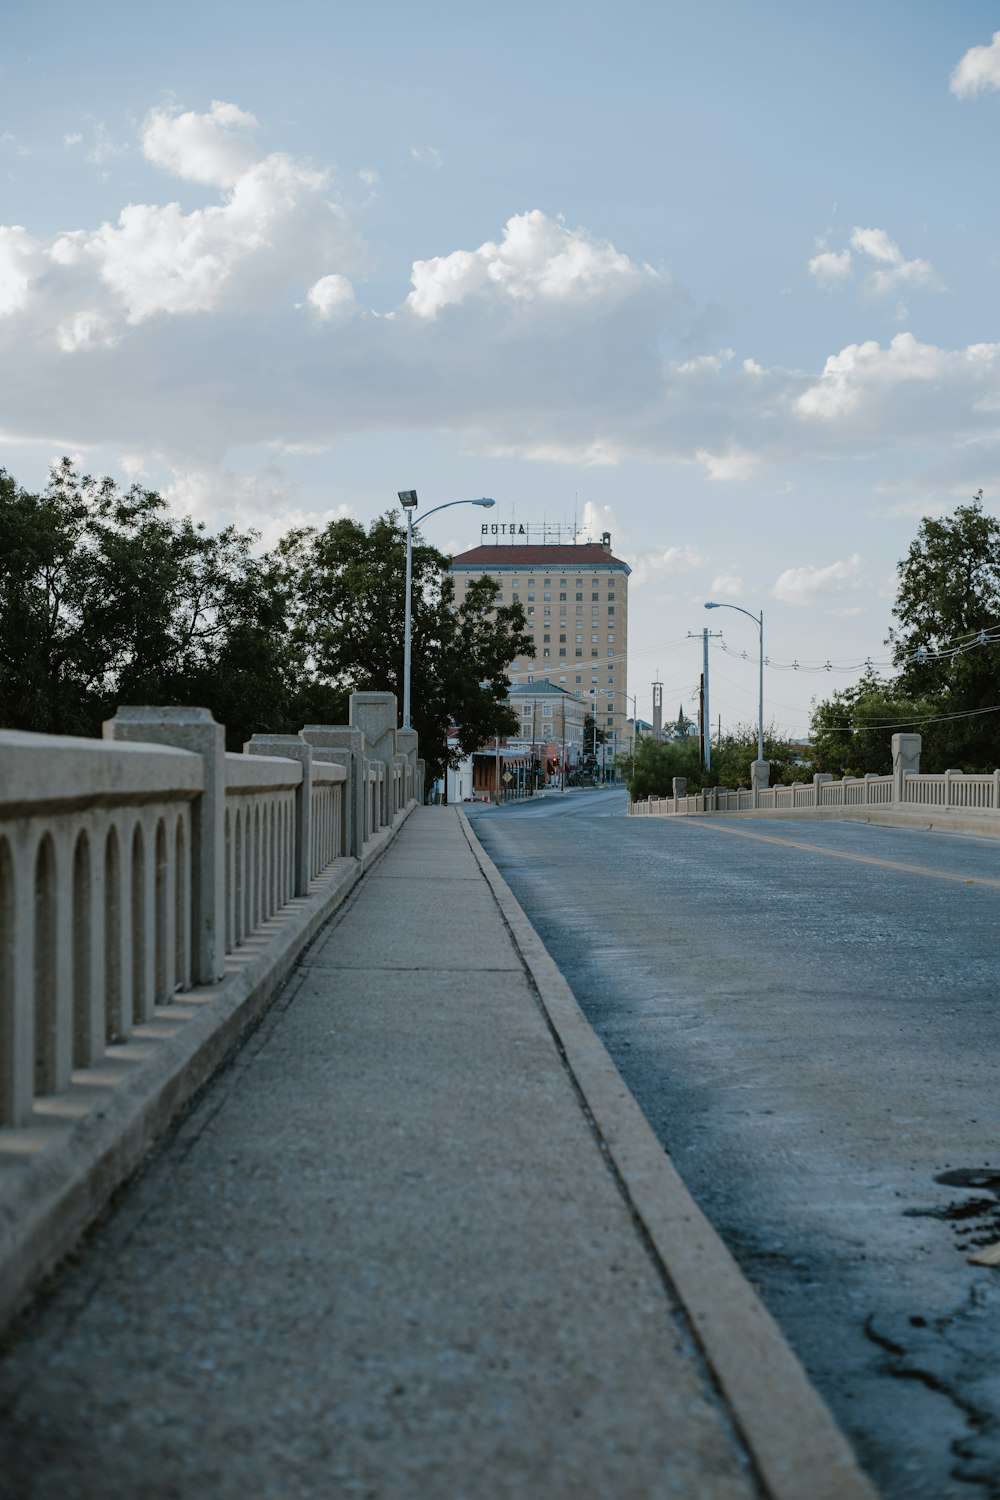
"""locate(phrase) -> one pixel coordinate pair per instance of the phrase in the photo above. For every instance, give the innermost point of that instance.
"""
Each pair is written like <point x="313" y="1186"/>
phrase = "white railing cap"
<point x="39" y="771"/>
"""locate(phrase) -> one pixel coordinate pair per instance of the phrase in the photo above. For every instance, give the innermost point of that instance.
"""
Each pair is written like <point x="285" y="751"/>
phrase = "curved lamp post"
<point x="408" y="500"/>
<point x="759" y="622"/>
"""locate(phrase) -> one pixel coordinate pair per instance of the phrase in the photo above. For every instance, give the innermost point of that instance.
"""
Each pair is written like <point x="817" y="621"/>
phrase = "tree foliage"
<point x="107" y="598"/>
<point x="948" y="595"/>
<point x="947" y="613"/>
<point x="852" y="731"/>
<point x="348" y="618"/>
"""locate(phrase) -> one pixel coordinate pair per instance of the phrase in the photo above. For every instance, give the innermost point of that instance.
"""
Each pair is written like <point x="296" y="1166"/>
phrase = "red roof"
<point x="552" y="558"/>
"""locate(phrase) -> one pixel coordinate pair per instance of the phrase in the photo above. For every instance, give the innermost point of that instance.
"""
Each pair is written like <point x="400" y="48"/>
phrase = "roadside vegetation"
<point x="946" y="685"/>
<point x="107" y="597"/>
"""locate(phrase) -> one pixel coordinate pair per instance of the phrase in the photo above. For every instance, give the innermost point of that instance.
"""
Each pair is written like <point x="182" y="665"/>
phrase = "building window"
<point x="579" y="679"/>
<point x="531" y="598"/>
<point x="546" y="596"/>
<point x="548" y="583"/>
<point x="546" y="638"/>
<point x="562" y="649"/>
<point x="547" y="610"/>
<point x="594" y="596"/>
<point x="594" y="639"/>
<point x="595" y="653"/>
<point x="611" y="608"/>
<point x="531" y="610"/>
<point x="546" y="710"/>
<point x="579" y="596"/>
<point x="610" y="638"/>
<point x="579" y="639"/>
<point x="562" y="598"/>
<point x="546" y="651"/>
<point x="578" y="652"/>
<point x="529" y="678"/>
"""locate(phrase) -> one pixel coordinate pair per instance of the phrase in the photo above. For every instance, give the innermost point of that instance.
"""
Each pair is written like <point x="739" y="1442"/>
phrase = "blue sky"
<point x="719" y="278"/>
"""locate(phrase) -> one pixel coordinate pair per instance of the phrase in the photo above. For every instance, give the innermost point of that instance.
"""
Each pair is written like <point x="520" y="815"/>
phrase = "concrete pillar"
<point x="375" y="715"/>
<point x="905" y="762"/>
<point x="680" y="787"/>
<point x="760" y="778"/>
<point x="406" y="746"/>
<point x="338" y="745"/>
<point x="294" y="748"/>
<point x="193" y="729"/>
<point x="820" y="778"/>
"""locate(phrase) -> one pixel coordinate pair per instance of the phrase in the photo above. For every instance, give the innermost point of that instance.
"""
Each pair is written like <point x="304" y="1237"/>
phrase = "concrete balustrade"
<point x="956" y="801"/>
<point x="154" y="892"/>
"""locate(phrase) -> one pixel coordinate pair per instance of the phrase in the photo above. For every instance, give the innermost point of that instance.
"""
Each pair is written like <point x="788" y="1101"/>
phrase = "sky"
<point x="719" y="278"/>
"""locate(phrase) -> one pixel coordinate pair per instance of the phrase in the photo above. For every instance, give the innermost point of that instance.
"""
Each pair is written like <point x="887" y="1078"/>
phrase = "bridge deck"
<point x="383" y="1256"/>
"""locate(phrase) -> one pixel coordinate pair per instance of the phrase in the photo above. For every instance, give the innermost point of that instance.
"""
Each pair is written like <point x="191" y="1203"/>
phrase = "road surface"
<point x="807" y="1014"/>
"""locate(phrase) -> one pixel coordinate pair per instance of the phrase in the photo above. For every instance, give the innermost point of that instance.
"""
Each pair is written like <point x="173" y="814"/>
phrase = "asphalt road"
<point x="812" y="1032"/>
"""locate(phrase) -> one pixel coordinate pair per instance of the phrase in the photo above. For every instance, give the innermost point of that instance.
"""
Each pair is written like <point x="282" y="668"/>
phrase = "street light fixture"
<point x="759" y="622"/>
<point x="408" y="500"/>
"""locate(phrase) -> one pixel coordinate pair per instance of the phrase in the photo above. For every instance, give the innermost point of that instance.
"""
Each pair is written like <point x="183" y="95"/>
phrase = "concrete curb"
<point x="60" y="1172"/>
<point x="787" y="1428"/>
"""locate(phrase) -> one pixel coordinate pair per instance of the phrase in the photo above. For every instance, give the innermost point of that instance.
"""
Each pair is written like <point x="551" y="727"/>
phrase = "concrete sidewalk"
<point x="415" y="1241"/>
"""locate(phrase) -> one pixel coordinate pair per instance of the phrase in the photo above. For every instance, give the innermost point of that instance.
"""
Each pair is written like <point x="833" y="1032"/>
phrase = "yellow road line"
<point x="863" y="859"/>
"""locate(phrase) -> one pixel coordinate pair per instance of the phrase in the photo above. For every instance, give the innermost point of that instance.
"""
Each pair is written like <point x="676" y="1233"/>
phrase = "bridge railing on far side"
<point x="900" y="797"/>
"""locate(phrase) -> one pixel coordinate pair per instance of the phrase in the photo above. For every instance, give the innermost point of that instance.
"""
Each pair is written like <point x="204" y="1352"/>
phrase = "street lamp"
<point x="629" y="698"/>
<point x="759" y="622"/>
<point x="408" y="500"/>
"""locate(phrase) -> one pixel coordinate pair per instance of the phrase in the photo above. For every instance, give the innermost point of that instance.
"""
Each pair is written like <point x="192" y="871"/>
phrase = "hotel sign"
<point x="502" y="528"/>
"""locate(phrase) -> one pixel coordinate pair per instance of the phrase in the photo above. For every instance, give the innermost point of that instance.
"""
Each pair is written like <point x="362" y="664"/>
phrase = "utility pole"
<point x="704" y="718"/>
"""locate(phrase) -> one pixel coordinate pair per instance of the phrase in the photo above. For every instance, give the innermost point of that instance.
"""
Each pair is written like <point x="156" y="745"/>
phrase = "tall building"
<point x="576" y="600"/>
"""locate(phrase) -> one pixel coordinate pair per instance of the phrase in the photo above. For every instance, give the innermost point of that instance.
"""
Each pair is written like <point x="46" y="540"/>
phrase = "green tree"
<point x="657" y="762"/>
<point x="733" y="757"/>
<point x="105" y="598"/>
<point x="852" y="732"/>
<point x="349" y="608"/>
<point x="947" y="606"/>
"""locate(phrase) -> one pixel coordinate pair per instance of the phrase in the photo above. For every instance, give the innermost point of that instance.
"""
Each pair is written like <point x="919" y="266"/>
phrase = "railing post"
<point x="375" y="715"/>
<point x="820" y="778"/>
<point x="194" y="729"/>
<point x="340" y="746"/>
<point x="294" y="748"/>
<point x="760" y="779"/>
<point x="905" y="762"/>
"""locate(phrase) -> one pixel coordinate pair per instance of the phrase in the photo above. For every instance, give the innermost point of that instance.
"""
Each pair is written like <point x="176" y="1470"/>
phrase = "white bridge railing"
<point x="131" y="866"/>
<point x="906" y="790"/>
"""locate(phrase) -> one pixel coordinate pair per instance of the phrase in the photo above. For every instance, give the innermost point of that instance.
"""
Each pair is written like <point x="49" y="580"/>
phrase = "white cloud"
<point x="103" y="148"/>
<point x="734" y="464"/>
<point x="212" y="148"/>
<point x="867" y="377"/>
<point x="666" y="563"/>
<point x="727" y="583"/>
<point x="810" y="585"/>
<point x="72" y="140"/>
<point x="831" y="267"/>
<point x="891" y="275"/>
<point x="20" y="262"/>
<point x="157" y="259"/>
<point x="979" y="69"/>
<point x="428" y="156"/>
<point x="333" y="298"/>
<point x="537" y="260"/>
